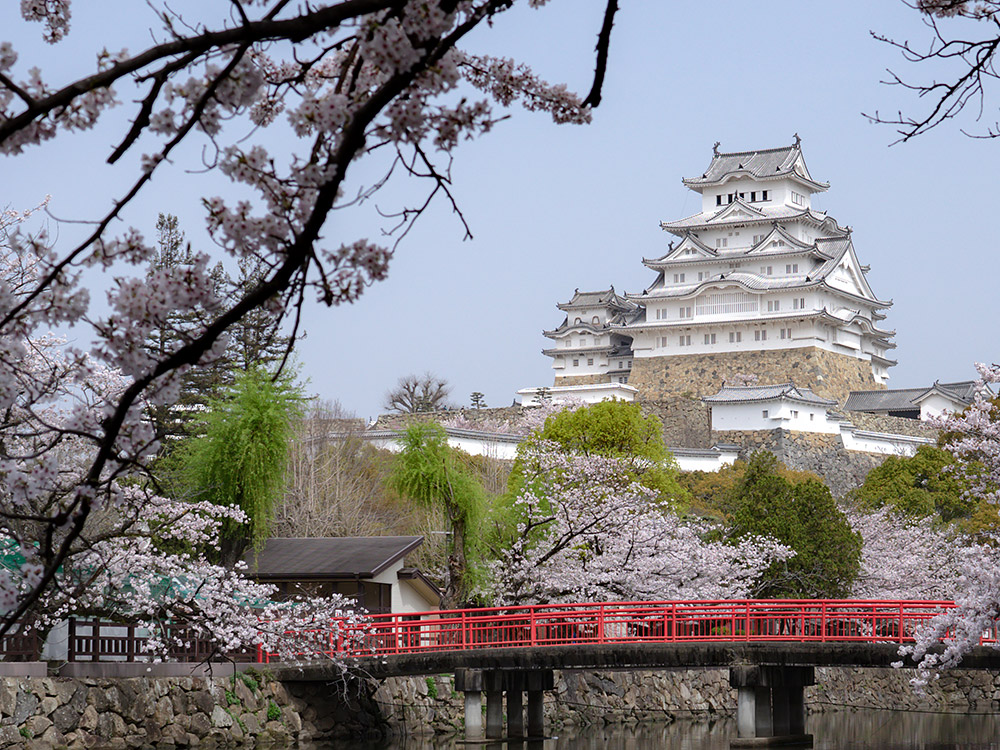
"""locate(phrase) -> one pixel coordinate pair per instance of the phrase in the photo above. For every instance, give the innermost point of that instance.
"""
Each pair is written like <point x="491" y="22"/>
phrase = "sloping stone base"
<point x="828" y="374"/>
<point x="581" y="379"/>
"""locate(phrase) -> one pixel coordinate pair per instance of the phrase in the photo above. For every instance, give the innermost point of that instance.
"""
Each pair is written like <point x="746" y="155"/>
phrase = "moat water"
<point x="842" y="730"/>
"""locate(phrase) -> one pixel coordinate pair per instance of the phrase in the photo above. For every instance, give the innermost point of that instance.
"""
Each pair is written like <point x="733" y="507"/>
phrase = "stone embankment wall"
<point x="418" y="705"/>
<point x="828" y="374"/>
<point x="824" y="455"/>
<point x="46" y="713"/>
<point x="687" y="422"/>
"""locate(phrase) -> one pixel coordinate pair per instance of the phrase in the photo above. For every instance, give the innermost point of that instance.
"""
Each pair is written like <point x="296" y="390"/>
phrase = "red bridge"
<point x="734" y="621"/>
<point x="770" y="647"/>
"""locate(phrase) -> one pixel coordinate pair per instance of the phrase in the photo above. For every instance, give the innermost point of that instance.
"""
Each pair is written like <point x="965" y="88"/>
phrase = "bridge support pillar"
<point x="770" y="709"/>
<point x="537" y="682"/>
<point x="515" y="704"/>
<point x="470" y="682"/>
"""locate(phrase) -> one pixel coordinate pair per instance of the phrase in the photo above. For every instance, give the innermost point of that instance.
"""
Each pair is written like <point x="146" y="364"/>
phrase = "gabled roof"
<point x="778" y="234"/>
<point x="604" y="298"/>
<point x="908" y="399"/>
<point x="329" y="557"/>
<point x="754" y="393"/>
<point x="762" y="164"/>
<point x="690" y="242"/>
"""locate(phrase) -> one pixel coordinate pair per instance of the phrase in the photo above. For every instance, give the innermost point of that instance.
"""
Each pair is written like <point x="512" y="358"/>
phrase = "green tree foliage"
<point x="920" y="485"/>
<point x="616" y="429"/>
<point x="198" y="384"/>
<point x="241" y="456"/>
<point x="432" y="474"/>
<point x="711" y="492"/>
<point x="256" y="340"/>
<point x="803" y="516"/>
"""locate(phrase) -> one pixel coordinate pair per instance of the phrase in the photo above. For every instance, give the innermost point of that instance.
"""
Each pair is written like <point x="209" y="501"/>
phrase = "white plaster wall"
<point x="744" y="416"/>
<point x="705" y="462"/>
<point x="890" y="445"/>
<point x="935" y="405"/>
<point x="406" y="599"/>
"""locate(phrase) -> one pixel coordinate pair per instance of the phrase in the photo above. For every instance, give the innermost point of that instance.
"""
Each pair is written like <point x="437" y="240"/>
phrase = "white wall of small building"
<point x="788" y="415"/>
<point x="936" y="405"/>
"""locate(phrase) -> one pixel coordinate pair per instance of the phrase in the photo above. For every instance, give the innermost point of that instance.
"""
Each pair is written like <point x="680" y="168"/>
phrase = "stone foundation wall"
<point x="45" y="713"/>
<point x="687" y="422"/>
<point x="828" y="374"/>
<point x="416" y="705"/>
<point x="824" y="455"/>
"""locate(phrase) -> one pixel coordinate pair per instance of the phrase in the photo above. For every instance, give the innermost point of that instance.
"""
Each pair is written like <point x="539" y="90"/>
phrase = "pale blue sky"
<point x="559" y="207"/>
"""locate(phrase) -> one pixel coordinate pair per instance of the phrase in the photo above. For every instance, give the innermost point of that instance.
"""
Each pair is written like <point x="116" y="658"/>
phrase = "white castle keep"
<point x="756" y="283"/>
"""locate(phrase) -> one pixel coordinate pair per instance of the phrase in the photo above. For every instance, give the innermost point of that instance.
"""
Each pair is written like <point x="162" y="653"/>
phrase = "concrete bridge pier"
<point x="770" y="709"/>
<point x="495" y="683"/>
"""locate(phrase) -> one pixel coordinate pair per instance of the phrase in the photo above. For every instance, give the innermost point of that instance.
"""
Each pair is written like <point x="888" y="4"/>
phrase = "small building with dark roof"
<point x="915" y="403"/>
<point x="370" y="570"/>
<point x="768" y="407"/>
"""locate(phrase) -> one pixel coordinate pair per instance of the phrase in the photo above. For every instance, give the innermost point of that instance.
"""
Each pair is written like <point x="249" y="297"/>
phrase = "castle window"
<point x="619" y="364"/>
<point x="764" y="413"/>
<point x="678" y="278"/>
<point x="811" y="415"/>
<point x="722" y="242"/>
<point x="596" y="320"/>
<point x="760" y="335"/>
<point x="766" y="270"/>
<point x="729" y="197"/>
<point x="701" y="275"/>
<point x="799" y="303"/>
<point x="795" y="414"/>
<point x="786" y="333"/>
<point x="753" y="196"/>
<point x="718" y="199"/>
<point x="583" y="342"/>
<point x="735" y="337"/>
<point x="567" y="343"/>
<point x="590" y="361"/>
<point x="621" y="379"/>
<point x="798" y="199"/>
<point x="684" y="341"/>
<point x="709" y="338"/>
<point x="757" y="238"/>
<point x="763" y="195"/>
<point x="685" y="312"/>
<point x="628" y="365"/>
<point x="576" y="363"/>
<point x="773" y="305"/>
<point x="791" y="268"/>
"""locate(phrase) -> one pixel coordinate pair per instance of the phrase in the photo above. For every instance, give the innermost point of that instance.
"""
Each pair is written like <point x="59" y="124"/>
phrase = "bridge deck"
<point x="640" y="635"/>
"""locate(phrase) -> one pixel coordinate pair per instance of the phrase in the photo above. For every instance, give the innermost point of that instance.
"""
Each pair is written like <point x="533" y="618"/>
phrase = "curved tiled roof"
<point x="753" y="393"/>
<point x="761" y="164"/>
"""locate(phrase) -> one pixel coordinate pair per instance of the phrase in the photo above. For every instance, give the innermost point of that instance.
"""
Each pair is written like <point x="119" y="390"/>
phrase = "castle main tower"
<point x="756" y="283"/>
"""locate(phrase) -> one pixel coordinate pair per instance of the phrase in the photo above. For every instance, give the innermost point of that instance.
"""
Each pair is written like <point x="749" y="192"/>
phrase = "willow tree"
<point x="432" y="474"/>
<point x="242" y="454"/>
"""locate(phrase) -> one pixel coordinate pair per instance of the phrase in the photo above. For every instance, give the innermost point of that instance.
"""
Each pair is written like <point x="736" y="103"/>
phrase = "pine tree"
<point x="199" y="384"/>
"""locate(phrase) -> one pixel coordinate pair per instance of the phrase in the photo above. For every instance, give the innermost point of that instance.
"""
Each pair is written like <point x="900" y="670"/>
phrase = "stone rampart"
<point x="45" y="713"/>
<point x="828" y="374"/>
<point x="582" y="379"/>
<point x="417" y="705"/>
<point x="823" y="455"/>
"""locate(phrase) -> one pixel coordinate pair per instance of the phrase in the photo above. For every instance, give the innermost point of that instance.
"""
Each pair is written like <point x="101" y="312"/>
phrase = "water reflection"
<point x="842" y="730"/>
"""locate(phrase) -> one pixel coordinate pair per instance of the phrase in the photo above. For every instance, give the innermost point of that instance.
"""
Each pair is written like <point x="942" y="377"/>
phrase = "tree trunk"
<point x="455" y="593"/>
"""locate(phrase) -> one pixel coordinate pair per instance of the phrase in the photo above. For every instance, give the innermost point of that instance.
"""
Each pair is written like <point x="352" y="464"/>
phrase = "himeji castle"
<point x="757" y="283"/>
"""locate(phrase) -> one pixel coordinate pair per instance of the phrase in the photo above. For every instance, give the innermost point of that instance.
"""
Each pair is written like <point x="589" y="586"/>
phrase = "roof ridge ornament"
<point x="715" y="148"/>
<point x="798" y="141"/>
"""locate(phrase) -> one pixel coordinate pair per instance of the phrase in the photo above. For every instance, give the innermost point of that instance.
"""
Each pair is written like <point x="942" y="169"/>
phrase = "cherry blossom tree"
<point x="903" y="557"/>
<point x="586" y="529"/>
<point x="341" y="79"/>
<point x="973" y="436"/>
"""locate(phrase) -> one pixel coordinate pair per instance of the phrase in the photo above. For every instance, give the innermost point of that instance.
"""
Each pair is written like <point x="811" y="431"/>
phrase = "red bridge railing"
<point x="750" y="620"/>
